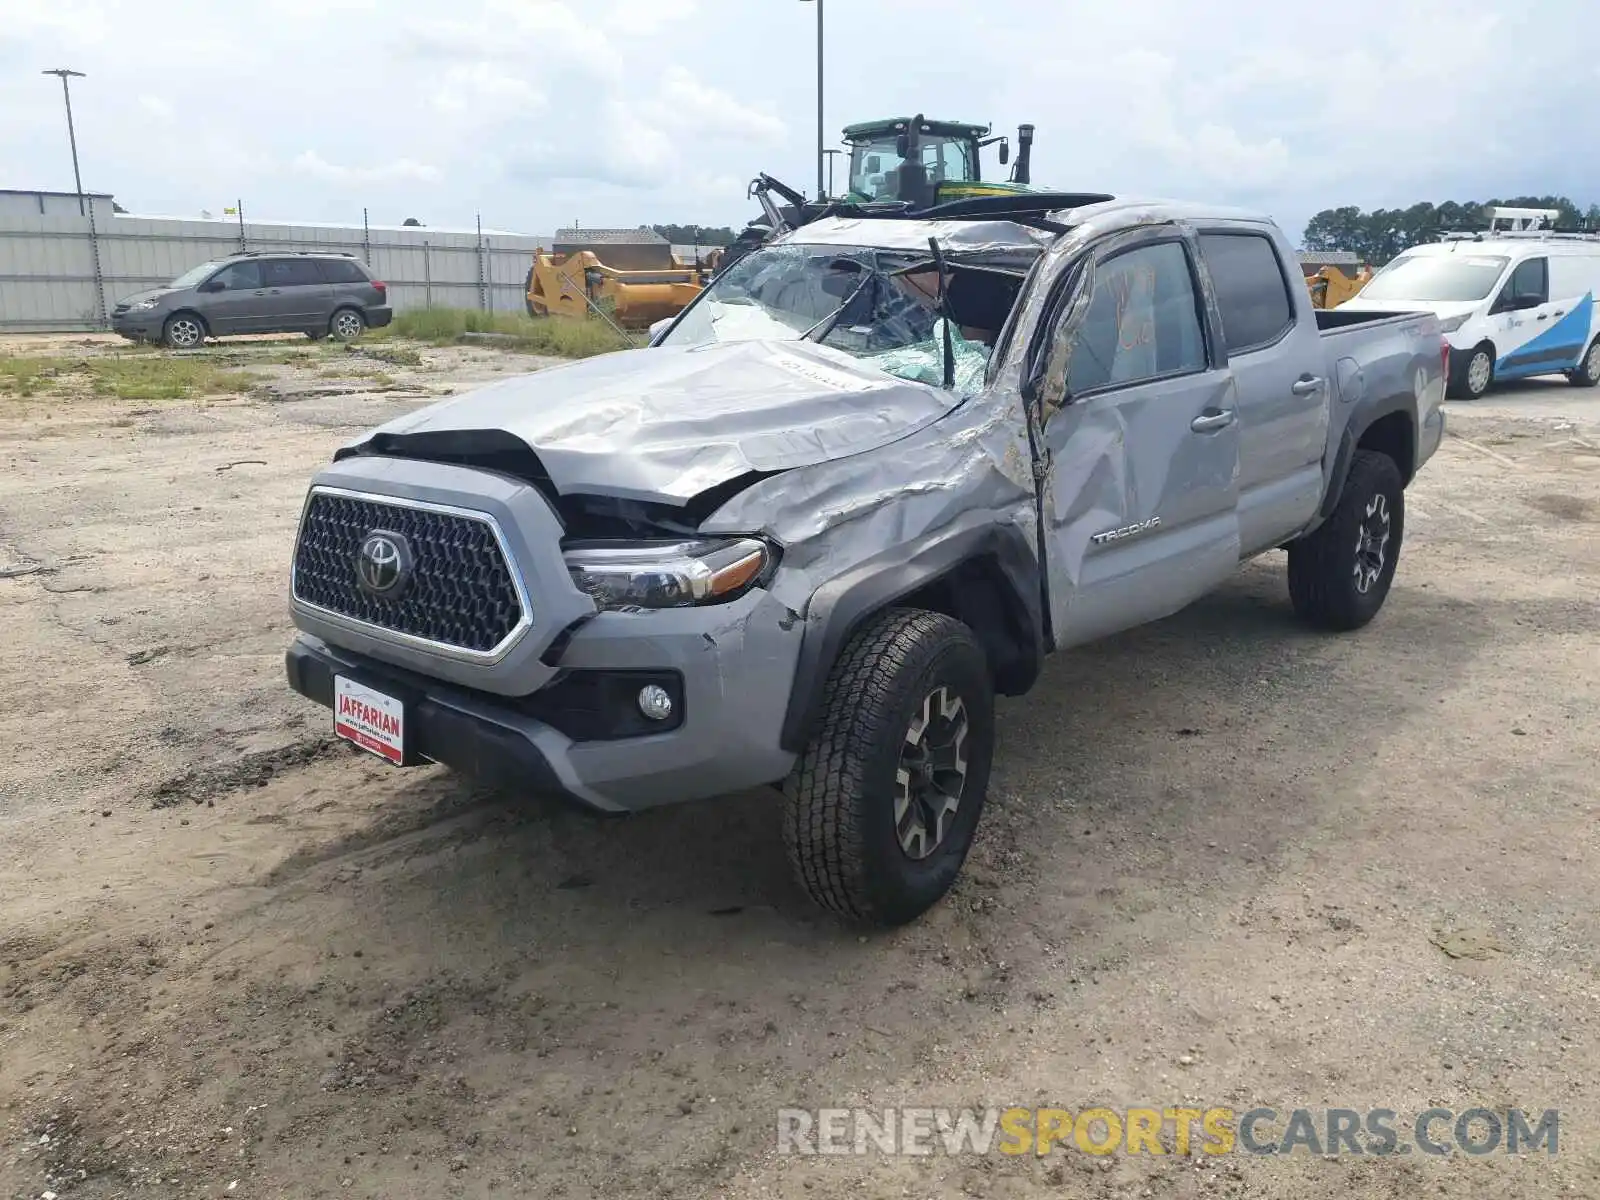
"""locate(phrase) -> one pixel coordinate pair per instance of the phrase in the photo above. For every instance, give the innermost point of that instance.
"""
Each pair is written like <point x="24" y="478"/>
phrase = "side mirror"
<point x="658" y="328"/>
<point x="1005" y="152"/>
<point x="213" y="285"/>
<point x="902" y="145"/>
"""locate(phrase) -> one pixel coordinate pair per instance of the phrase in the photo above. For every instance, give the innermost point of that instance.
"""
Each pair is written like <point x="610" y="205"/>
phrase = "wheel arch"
<point x="987" y="578"/>
<point x="1389" y="427"/>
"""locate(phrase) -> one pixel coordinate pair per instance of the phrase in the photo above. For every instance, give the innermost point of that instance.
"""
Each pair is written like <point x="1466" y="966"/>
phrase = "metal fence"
<point x="66" y="272"/>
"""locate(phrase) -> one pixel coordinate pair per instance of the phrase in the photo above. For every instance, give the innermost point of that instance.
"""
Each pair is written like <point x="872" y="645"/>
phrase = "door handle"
<point x="1541" y="317"/>
<point x="1560" y="312"/>
<point x="261" y="292"/>
<point x="1210" y="422"/>
<point x="1305" y="387"/>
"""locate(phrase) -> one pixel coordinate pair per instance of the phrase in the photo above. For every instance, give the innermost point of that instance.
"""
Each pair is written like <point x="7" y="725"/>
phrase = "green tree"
<point x="1379" y="235"/>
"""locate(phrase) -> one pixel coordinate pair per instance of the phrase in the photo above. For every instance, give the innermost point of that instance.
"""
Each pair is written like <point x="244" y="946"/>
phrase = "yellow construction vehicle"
<point x="1331" y="287"/>
<point x="630" y="276"/>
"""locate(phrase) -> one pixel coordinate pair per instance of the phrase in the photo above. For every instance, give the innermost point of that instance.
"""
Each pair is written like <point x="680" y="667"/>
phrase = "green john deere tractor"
<point x="922" y="163"/>
<point x="903" y="163"/>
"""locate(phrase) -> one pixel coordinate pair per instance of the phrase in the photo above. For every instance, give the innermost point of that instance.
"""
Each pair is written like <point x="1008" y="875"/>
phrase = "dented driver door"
<point x="1140" y="497"/>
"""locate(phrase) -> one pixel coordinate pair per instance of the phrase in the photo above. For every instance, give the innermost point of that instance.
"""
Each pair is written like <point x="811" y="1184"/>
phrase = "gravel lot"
<point x="1222" y="864"/>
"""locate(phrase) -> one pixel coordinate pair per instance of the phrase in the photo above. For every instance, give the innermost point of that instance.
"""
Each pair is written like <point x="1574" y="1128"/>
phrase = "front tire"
<point x="1475" y="375"/>
<point x="881" y="809"/>
<point x="347" y="325"/>
<point x="1340" y="573"/>
<point x="183" y="331"/>
<point x="1588" y="372"/>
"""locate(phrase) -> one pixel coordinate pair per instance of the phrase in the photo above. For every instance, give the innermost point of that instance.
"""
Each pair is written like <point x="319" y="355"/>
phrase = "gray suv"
<point x="316" y="294"/>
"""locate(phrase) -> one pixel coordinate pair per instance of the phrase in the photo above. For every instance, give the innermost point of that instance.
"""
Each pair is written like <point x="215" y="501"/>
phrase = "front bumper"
<point x="138" y="325"/>
<point x="735" y="666"/>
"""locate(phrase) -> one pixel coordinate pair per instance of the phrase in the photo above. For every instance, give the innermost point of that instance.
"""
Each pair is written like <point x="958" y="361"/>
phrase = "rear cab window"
<point x="1251" y="287"/>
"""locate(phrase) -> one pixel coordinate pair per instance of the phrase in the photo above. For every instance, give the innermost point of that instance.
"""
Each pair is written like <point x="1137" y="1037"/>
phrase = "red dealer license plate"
<point x="370" y="719"/>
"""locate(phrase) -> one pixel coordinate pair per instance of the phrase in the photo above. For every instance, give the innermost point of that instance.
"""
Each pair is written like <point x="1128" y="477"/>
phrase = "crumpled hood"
<point x="669" y="423"/>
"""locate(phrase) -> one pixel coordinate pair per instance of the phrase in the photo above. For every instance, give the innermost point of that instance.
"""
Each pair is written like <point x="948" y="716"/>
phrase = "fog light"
<point x="654" y="702"/>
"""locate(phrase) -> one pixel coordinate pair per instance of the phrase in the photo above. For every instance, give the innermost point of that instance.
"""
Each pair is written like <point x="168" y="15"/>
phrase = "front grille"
<point x="460" y="592"/>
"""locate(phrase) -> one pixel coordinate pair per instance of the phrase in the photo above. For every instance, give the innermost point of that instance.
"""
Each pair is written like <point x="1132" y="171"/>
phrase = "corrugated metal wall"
<point x="49" y="265"/>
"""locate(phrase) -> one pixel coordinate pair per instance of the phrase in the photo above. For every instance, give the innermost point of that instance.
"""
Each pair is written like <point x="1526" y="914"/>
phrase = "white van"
<point x="1511" y="304"/>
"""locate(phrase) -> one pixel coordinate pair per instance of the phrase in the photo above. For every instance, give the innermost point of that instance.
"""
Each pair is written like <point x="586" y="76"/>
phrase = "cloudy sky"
<point x="536" y="112"/>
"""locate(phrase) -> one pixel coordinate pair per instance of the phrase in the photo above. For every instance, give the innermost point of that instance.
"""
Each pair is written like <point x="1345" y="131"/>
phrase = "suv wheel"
<point x="347" y="324"/>
<point x="1340" y="573"/>
<point x="183" y="331"/>
<point x="1588" y="372"/>
<point x="881" y="808"/>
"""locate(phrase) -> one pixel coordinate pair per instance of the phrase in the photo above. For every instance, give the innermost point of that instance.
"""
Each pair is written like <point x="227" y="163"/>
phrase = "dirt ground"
<point x="1222" y="864"/>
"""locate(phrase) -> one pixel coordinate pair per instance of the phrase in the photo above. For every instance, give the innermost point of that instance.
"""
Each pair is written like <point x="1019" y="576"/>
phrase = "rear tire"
<point x="347" y="324"/>
<point x="880" y="811"/>
<point x="1588" y="372"/>
<point x="1340" y="573"/>
<point x="1475" y="375"/>
<point x="183" y="331"/>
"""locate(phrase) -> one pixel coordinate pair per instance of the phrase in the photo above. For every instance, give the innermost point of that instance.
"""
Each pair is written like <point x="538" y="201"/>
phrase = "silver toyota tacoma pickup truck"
<point x="868" y="480"/>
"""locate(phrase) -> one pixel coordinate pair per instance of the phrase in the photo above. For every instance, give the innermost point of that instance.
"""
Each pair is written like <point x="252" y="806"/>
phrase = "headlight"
<point x="141" y="305"/>
<point x="668" y="574"/>
<point x="1453" y="324"/>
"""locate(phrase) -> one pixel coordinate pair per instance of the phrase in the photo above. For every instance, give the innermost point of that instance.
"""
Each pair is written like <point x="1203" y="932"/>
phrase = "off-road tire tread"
<point x="1320" y="565"/>
<point x="821" y="827"/>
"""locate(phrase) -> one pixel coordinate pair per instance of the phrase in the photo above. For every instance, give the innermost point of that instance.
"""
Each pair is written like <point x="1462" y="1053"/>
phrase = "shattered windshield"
<point x="880" y="306"/>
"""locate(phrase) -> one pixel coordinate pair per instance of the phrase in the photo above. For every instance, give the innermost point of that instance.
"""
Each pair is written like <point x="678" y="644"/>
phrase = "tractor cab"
<point x="920" y="162"/>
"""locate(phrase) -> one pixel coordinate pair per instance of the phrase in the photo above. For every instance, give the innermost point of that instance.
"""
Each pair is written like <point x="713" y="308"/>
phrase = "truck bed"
<point x="1336" y="320"/>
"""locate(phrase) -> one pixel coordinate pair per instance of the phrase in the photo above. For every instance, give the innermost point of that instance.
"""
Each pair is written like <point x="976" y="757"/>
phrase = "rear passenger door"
<point x="1139" y="504"/>
<point x="298" y="298"/>
<point x="1275" y="353"/>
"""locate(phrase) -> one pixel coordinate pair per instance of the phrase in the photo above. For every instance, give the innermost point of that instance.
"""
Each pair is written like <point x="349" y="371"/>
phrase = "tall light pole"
<point x="72" y="137"/>
<point x="821" y="192"/>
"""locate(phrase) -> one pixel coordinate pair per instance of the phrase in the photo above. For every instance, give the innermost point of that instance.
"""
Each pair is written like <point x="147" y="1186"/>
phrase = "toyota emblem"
<point x="383" y="565"/>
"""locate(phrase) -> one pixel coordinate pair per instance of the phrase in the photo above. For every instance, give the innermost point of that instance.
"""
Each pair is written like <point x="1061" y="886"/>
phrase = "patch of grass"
<point x="26" y="375"/>
<point x="563" y="337"/>
<point x="163" y="378"/>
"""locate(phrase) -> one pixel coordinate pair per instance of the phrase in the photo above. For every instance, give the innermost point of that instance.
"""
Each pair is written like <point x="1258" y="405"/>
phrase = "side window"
<point x="1530" y="282"/>
<point x="1142" y="321"/>
<point x="239" y="277"/>
<point x="290" y="272"/>
<point x="340" y="270"/>
<point x="1252" y="294"/>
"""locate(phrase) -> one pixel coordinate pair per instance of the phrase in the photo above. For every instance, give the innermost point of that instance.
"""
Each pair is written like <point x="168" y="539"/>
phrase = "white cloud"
<point x="400" y="170"/>
<point x="158" y="108"/>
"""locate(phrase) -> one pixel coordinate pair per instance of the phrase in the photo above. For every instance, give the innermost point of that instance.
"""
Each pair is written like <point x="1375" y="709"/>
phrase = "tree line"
<point x="1379" y="235"/>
